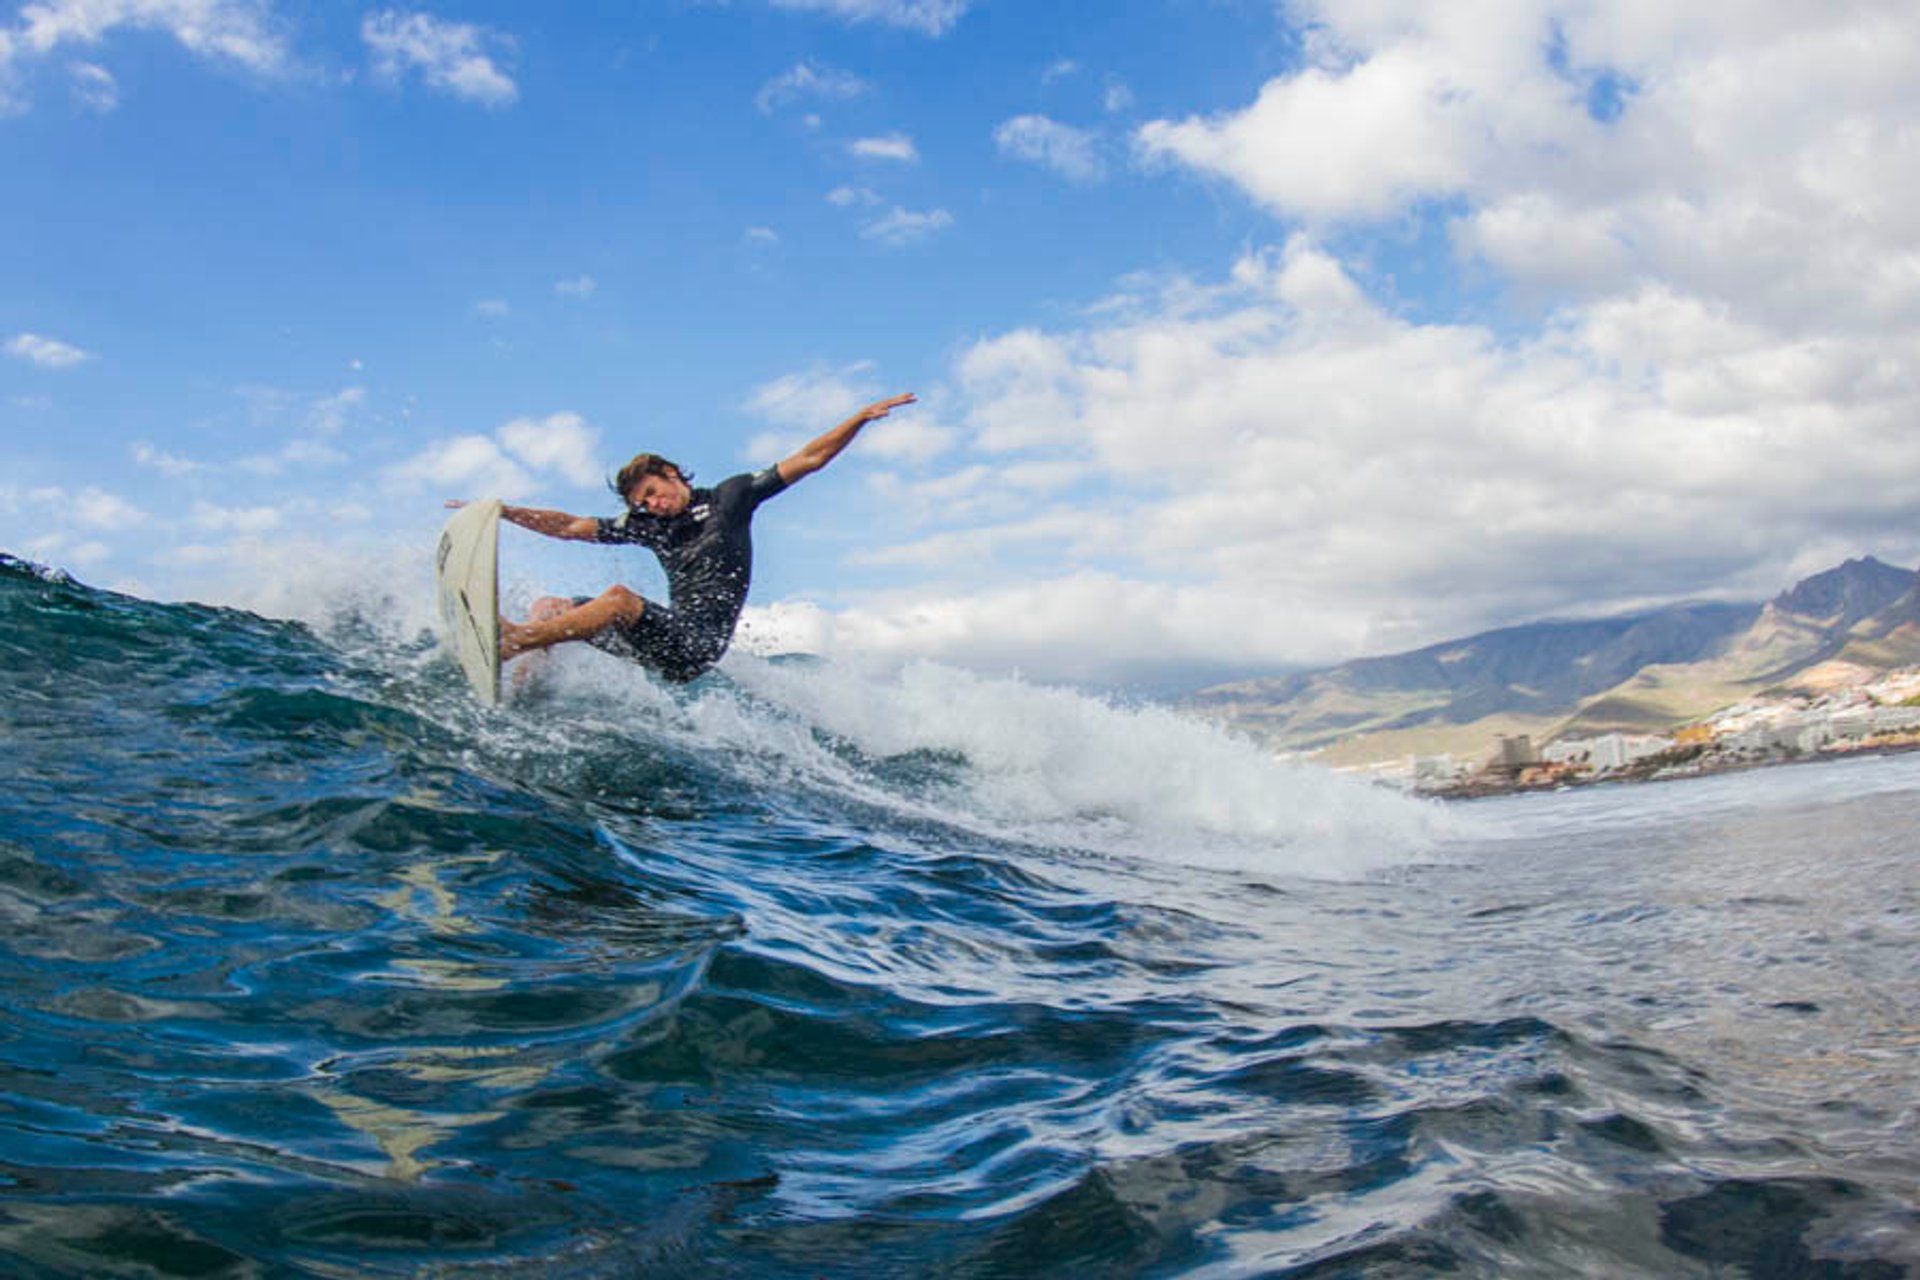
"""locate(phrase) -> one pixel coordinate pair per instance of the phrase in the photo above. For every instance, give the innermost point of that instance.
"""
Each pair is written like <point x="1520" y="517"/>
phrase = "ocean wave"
<point x="314" y="967"/>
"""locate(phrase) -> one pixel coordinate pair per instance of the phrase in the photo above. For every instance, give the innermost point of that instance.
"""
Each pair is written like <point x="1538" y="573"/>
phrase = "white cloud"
<point x="762" y="236"/>
<point x="1323" y="477"/>
<point x="931" y="17"/>
<point x="979" y="492"/>
<point x="915" y="435"/>
<point x="561" y="443"/>
<point x="581" y="286"/>
<point x="492" y="308"/>
<point x="1068" y="151"/>
<point x="1351" y="142"/>
<point x="1059" y="69"/>
<point x="63" y="550"/>
<point x="330" y="413"/>
<point x="1065" y="533"/>
<point x="816" y="397"/>
<point x="895" y="147"/>
<point x="48" y="353"/>
<point x="803" y="404"/>
<point x="245" y="520"/>
<point x="301" y="453"/>
<point x="902" y="226"/>
<point x="1712" y="212"/>
<point x="454" y="57"/>
<point x="304" y="453"/>
<point x="807" y="80"/>
<point x="311" y="424"/>
<point x="1081" y="627"/>
<point x="1278" y="439"/>
<point x="464" y="467"/>
<point x="1763" y="152"/>
<point x="846" y="197"/>
<point x="165" y="463"/>
<point x="507" y="464"/>
<point x="236" y="31"/>
<point x="97" y="509"/>
<point x="1117" y="96"/>
<point x="94" y="87"/>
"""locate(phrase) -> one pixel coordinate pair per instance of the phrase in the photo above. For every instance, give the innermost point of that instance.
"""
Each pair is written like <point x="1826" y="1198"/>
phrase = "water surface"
<point x="311" y="967"/>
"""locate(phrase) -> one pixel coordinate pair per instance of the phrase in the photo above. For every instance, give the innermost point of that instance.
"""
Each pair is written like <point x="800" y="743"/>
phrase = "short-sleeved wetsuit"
<point x="707" y="551"/>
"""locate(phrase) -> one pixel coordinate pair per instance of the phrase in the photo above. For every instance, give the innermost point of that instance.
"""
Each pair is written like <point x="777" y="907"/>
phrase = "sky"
<point x="1247" y="334"/>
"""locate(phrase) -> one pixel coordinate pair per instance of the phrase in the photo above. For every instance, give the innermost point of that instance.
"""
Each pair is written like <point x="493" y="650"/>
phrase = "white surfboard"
<point x="468" y="570"/>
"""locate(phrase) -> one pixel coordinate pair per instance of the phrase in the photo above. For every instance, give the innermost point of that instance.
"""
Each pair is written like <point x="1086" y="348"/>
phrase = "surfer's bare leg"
<point x="553" y="620"/>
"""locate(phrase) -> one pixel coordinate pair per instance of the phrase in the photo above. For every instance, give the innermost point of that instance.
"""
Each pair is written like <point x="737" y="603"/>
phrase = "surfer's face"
<point x="660" y="495"/>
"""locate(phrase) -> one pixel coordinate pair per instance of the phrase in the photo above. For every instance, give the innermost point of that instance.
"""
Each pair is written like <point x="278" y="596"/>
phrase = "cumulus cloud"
<point x="580" y="286"/>
<point x="509" y="463"/>
<point x="48" y="353"/>
<point x="802" y="404"/>
<point x="561" y="443"/>
<point x="1278" y="439"/>
<point x="1069" y="152"/>
<point x="897" y="147"/>
<point x="808" y="81"/>
<point x="815" y="397"/>
<point x="1356" y="142"/>
<point x="903" y="226"/>
<point x="471" y="465"/>
<point x="1762" y="153"/>
<point x="1082" y="627"/>
<point x="1711" y="217"/>
<point x="241" y="32"/>
<point x="453" y="57"/>
<point x="931" y="17"/>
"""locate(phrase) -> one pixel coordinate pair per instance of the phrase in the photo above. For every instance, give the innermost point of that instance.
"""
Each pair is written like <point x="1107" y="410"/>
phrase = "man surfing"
<point x="703" y="540"/>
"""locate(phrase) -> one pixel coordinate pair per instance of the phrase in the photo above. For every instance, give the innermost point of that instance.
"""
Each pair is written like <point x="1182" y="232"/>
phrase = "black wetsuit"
<point x="707" y="551"/>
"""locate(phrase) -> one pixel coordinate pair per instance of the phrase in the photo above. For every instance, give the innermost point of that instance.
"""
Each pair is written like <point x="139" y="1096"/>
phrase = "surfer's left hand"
<point x="881" y="408"/>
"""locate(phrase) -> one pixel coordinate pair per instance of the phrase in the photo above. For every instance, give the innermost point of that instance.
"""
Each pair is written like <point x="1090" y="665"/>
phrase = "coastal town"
<point x="1856" y="711"/>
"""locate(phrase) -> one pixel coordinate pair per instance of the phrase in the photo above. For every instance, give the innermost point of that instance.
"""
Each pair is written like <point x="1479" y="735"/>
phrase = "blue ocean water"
<point x="313" y="968"/>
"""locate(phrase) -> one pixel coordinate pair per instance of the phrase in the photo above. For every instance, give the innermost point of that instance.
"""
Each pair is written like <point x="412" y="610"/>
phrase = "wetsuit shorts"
<point x="661" y="640"/>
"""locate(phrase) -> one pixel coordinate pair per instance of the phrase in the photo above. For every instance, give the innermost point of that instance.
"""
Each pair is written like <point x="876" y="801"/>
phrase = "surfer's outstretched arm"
<point x="554" y="524"/>
<point x="818" y="452"/>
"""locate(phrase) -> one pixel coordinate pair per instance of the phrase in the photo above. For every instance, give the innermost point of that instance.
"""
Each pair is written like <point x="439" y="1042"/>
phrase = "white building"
<point x="1607" y="751"/>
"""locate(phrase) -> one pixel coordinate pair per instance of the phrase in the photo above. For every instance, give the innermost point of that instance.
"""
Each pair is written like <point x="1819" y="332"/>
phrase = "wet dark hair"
<point x="642" y="466"/>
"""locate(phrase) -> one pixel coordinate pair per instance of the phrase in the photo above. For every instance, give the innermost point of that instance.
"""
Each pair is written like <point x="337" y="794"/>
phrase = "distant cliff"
<point x="1646" y="672"/>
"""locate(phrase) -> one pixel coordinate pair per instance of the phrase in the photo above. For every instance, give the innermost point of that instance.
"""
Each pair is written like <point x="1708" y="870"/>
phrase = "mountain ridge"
<point x="1647" y="671"/>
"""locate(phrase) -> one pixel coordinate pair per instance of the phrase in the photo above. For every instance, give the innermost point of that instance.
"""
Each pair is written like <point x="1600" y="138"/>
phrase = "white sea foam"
<point x="1011" y="760"/>
<point x="1023" y="762"/>
<point x="1059" y="766"/>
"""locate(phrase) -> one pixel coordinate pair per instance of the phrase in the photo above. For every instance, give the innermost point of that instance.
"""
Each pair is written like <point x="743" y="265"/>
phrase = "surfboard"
<point x="468" y="571"/>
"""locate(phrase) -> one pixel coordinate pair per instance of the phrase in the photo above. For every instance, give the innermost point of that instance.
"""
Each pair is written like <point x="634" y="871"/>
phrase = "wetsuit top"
<point x="706" y="550"/>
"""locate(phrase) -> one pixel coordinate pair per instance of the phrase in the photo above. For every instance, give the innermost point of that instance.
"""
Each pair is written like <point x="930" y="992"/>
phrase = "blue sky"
<point x="1247" y="333"/>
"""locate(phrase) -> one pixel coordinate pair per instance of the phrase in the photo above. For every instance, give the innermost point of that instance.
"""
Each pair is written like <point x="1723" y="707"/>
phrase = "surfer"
<point x="702" y="538"/>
